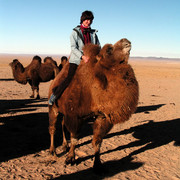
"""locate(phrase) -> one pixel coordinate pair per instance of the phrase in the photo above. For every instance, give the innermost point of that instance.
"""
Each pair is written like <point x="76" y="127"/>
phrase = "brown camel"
<point x="35" y="72"/>
<point x="64" y="60"/>
<point x="105" y="88"/>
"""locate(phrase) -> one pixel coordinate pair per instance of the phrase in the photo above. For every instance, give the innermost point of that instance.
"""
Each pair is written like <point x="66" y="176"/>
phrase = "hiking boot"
<point x="52" y="99"/>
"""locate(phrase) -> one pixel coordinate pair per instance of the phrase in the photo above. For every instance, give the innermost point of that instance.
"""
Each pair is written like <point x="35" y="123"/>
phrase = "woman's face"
<point x="87" y="22"/>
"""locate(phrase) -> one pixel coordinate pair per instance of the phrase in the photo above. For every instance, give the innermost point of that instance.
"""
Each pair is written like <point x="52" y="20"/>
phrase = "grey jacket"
<point x="77" y="44"/>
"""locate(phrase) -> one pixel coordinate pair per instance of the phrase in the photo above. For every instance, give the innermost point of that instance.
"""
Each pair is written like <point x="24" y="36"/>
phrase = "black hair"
<point x="86" y="15"/>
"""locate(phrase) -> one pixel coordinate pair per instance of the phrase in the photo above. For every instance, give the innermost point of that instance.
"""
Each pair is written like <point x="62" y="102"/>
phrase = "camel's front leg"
<point x="32" y="95"/>
<point x="101" y="127"/>
<point x="32" y="88"/>
<point x="71" y="154"/>
<point x="65" y="143"/>
<point x="52" y="128"/>
<point x="37" y="91"/>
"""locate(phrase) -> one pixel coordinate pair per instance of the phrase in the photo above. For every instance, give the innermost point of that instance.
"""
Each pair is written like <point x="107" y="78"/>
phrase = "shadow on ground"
<point x="20" y="105"/>
<point x="9" y="79"/>
<point x="146" y="109"/>
<point x="112" y="168"/>
<point x="149" y="135"/>
<point x="28" y="133"/>
<point x="23" y="134"/>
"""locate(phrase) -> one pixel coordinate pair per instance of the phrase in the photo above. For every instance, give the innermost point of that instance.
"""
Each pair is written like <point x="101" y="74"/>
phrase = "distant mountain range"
<point x="154" y="58"/>
<point x="60" y="55"/>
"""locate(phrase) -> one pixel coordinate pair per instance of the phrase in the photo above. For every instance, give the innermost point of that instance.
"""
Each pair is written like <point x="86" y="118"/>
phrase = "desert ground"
<point x="145" y="147"/>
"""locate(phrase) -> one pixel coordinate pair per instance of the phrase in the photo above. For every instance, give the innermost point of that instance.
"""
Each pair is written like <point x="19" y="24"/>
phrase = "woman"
<point x="80" y="36"/>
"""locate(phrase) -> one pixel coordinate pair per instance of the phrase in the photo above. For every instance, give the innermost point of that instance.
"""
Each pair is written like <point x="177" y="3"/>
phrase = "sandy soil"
<point x="145" y="147"/>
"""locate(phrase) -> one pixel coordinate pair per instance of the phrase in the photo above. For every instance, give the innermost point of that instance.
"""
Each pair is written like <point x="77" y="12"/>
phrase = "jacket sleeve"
<point x="74" y="45"/>
<point x="97" y="40"/>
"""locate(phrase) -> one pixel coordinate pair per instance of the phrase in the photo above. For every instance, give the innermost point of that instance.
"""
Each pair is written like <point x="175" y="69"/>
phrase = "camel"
<point x="104" y="89"/>
<point x="35" y="72"/>
<point x="64" y="60"/>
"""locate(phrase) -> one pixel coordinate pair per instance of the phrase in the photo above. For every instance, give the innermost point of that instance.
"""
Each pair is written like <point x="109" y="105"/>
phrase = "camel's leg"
<point x="64" y="144"/>
<point x="32" y="95"/>
<point x="35" y="86"/>
<point x="56" y="71"/>
<point x="53" y="113"/>
<point x="71" y="154"/>
<point x="32" y="88"/>
<point x="101" y="127"/>
<point x="37" y="90"/>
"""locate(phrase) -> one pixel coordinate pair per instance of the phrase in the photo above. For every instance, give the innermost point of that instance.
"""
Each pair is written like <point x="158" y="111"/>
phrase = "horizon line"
<point x="61" y="54"/>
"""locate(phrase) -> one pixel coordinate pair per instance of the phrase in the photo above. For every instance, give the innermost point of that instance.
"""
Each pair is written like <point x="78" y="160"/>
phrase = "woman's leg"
<point x="57" y="91"/>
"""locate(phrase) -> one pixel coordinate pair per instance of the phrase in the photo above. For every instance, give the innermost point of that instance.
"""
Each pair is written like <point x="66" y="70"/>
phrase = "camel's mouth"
<point x="127" y="49"/>
<point x="15" y="61"/>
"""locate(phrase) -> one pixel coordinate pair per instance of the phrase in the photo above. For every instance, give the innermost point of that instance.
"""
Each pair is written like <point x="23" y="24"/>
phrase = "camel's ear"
<point x="15" y="60"/>
<point x="109" y="50"/>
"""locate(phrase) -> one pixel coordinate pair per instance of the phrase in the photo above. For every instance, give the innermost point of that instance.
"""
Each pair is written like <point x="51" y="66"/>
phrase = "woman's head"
<point x="87" y="15"/>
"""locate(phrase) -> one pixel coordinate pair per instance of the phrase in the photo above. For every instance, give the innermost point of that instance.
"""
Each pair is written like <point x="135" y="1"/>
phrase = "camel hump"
<point x="50" y="60"/>
<point x="37" y="58"/>
<point x="91" y="50"/>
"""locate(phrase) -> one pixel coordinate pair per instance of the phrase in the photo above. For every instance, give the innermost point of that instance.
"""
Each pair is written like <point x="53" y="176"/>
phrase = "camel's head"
<point x="16" y="65"/>
<point x="110" y="55"/>
<point x="18" y="70"/>
<point x="121" y="50"/>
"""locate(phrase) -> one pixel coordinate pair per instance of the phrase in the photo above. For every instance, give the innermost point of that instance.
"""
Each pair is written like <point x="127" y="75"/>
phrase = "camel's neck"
<point x="20" y="75"/>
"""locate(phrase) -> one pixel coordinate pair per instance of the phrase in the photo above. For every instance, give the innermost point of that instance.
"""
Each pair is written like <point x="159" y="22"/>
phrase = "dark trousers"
<point x="58" y="90"/>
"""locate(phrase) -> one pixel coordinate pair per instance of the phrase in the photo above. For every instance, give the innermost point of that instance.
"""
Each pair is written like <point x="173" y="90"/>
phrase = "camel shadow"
<point x="87" y="128"/>
<point x="146" y="109"/>
<point x="152" y="135"/>
<point x="111" y="167"/>
<point x="9" y="79"/>
<point x="20" y="105"/>
<point x="23" y="134"/>
<point x="149" y="135"/>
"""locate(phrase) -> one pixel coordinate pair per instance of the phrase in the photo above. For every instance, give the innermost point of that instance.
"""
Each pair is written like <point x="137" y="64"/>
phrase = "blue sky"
<point x="44" y="26"/>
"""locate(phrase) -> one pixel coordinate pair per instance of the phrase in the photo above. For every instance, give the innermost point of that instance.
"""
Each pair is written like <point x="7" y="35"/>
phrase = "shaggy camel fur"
<point x="35" y="72"/>
<point x="105" y="88"/>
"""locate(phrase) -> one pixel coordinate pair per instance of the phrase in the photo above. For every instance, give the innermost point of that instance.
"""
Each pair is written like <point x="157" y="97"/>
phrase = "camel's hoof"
<point x="52" y="152"/>
<point x="65" y="147"/>
<point x="38" y="97"/>
<point x="70" y="160"/>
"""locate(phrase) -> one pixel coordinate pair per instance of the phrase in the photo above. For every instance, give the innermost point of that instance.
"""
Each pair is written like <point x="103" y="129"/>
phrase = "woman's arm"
<point x="74" y="45"/>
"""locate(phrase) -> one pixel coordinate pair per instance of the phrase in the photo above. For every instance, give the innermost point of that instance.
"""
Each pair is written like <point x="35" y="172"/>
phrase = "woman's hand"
<point x="85" y="59"/>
